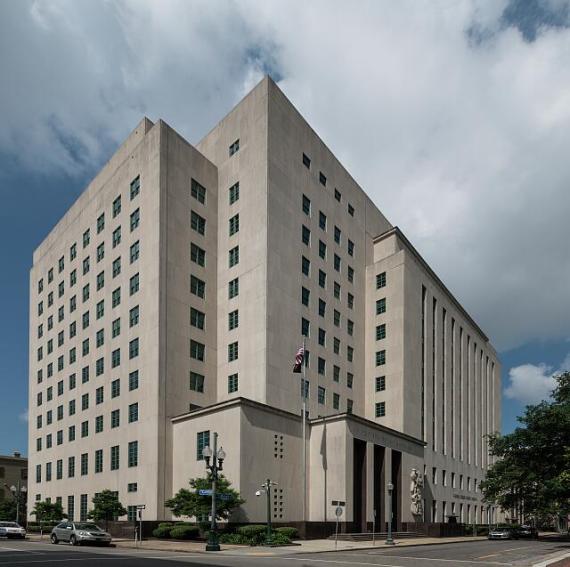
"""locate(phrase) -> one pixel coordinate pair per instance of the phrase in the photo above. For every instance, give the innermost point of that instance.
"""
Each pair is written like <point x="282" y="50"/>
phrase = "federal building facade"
<point x="169" y="302"/>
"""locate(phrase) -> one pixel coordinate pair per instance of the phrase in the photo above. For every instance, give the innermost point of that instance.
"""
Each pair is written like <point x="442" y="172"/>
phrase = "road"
<point x="469" y="554"/>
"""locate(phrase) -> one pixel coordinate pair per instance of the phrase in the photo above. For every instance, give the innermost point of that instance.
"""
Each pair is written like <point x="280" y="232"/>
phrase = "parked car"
<point x="526" y="532"/>
<point x="12" y="529"/>
<point x="500" y="533"/>
<point x="77" y="533"/>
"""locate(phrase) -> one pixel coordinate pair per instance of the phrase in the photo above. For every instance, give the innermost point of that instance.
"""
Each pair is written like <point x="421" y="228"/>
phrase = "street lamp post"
<point x="267" y="488"/>
<point x="217" y="456"/>
<point x="389" y="540"/>
<point x="19" y="493"/>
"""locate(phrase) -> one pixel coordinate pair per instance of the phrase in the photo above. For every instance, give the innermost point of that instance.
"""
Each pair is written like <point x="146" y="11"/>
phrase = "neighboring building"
<point x="171" y="299"/>
<point x="13" y="474"/>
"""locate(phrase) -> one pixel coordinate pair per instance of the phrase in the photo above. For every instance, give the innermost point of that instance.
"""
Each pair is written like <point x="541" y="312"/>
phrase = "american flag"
<point x="299" y="360"/>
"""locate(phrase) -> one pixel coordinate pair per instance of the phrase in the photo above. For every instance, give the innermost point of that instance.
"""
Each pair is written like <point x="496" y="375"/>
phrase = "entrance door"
<point x="359" y="486"/>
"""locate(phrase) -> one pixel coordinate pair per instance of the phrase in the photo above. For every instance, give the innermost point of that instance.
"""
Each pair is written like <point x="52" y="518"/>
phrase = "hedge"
<point x="162" y="532"/>
<point x="185" y="532"/>
<point x="291" y="533"/>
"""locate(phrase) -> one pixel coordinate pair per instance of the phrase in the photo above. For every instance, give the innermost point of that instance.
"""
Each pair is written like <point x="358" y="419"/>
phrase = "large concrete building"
<point x="169" y="303"/>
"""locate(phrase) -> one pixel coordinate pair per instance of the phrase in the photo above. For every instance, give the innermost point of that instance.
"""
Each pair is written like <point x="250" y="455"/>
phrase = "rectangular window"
<point x="380" y="357"/>
<point x="234" y="193"/>
<point x="322" y="220"/>
<point x="135" y="186"/>
<point x="99" y="460"/>
<point x="322" y="250"/>
<point x="202" y="440"/>
<point x="197" y="318"/>
<point x="48" y="472"/>
<point x="85" y="320"/>
<point x="306" y="235"/>
<point x="84" y="463"/>
<point x="380" y="280"/>
<point x="381" y="306"/>
<point x="336" y="345"/>
<point x="134" y="252"/>
<point x="380" y="383"/>
<point x="116" y="358"/>
<point x="233" y="288"/>
<point x="71" y="407"/>
<point x="232" y="383"/>
<point x="197" y="350"/>
<point x="336" y="373"/>
<point x="197" y="191"/>
<point x="72" y="278"/>
<point x="336" y="318"/>
<point x="133" y="452"/>
<point x="322" y="307"/>
<point x="234" y="256"/>
<point x="234" y="148"/>
<point x="85" y="374"/>
<point x="305" y="296"/>
<point x="99" y="366"/>
<point x="85" y="293"/>
<point x="135" y="219"/>
<point x="86" y="265"/>
<point x="116" y="206"/>
<point x="350" y="248"/>
<point x="336" y="401"/>
<point x="116" y="388"/>
<point x="99" y="394"/>
<point x="350" y="274"/>
<point x="197" y="255"/>
<point x="116" y="237"/>
<point x="60" y="265"/>
<point x="349" y="404"/>
<point x="71" y="433"/>
<point x="86" y="238"/>
<point x="85" y="401"/>
<point x="133" y="380"/>
<point x="306" y="161"/>
<point x="101" y="278"/>
<point x="115" y="461"/>
<point x="349" y="379"/>
<point x="60" y="289"/>
<point x="100" y="309"/>
<point x="100" y="251"/>
<point x="233" y="320"/>
<point x="197" y="223"/>
<point x="134" y="316"/>
<point x="234" y="224"/>
<point x="349" y="353"/>
<point x="322" y="395"/>
<point x="307" y="205"/>
<point x="115" y="418"/>
<point x="337" y="262"/>
<point x="380" y="409"/>
<point x="305" y="266"/>
<point x="321" y="365"/>
<point x="134" y="284"/>
<point x="233" y="351"/>
<point x="133" y="412"/>
<point x="73" y="252"/>
<point x="100" y="223"/>
<point x="196" y="382"/>
<point x="305" y="327"/>
<point x="322" y="337"/>
<point x="380" y="332"/>
<point x="322" y="179"/>
<point x="322" y="279"/>
<point x="197" y="287"/>
<point x="337" y="234"/>
<point x="70" y="471"/>
<point x="116" y="267"/>
<point x="133" y="348"/>
<point x="350" y="210"/>
<point x="132" y="487"/>
<point x="116" y="327"/>
<point x="72" y="381"/>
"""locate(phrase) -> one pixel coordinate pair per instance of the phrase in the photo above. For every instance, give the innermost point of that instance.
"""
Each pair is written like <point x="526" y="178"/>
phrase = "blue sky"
<point x="453" y="117"/>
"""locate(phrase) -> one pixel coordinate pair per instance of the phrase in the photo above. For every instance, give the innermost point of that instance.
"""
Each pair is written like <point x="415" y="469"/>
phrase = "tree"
<point x="8" y="509"/>
<point x="48" y="512"/>
<point x="532" y="474"/>
<point x="190" y="503"/>
<point x="106" y="506"/>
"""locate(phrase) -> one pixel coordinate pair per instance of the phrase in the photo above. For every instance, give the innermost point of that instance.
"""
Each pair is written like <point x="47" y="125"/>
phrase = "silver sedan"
<point x="77" y="533"/>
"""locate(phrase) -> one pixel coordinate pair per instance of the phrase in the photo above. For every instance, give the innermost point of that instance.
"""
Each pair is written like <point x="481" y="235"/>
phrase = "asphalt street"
<point x="469" y="554"/>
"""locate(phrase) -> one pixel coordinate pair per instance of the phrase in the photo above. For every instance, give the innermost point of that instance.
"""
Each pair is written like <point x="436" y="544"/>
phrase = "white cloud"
<point x="532" y="383"/>
<point x="462" y="144"/>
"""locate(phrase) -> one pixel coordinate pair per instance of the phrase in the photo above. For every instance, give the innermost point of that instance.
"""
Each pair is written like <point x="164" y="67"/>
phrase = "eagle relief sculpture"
<point x="416" y="494"/>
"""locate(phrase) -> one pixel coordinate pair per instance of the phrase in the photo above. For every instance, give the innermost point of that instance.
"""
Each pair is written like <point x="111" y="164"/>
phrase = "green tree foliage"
<point x="48" y="512"/>
<point x="533" y="470"/>
<point x="189" y="503"/>
<point x="8" y="510"/>
<point x="106" y="506"/>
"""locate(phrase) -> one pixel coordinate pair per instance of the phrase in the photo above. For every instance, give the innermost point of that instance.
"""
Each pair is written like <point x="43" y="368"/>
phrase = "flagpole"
<point x="304" y="395"/>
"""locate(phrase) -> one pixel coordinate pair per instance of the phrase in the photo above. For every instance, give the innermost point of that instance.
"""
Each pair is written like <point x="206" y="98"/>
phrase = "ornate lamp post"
<point x="266" y="486"/>
<point x="389" y="540"/>
<point x="19" y="493"/>
<point x="217" y="456"/>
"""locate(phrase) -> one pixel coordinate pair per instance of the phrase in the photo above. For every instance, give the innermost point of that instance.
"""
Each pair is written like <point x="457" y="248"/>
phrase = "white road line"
<point x="436" y="559"/>
<point x="16" y="549"/>
<point x="501" y="551"/>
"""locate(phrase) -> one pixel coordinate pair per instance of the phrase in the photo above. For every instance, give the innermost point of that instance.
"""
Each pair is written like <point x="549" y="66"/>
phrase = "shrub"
<point x="235" y="539"/>
<point x="291" y="533"/>
<point x="280" y="538"/>
<point x="162" y="532"/>
<point x="166" y="525"/>
<point x="185" y="532"/>
<point x="253" y="534"/>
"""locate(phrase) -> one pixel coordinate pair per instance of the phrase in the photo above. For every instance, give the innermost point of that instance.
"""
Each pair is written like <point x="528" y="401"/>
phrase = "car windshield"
<point x="501" y="530"/>
<point x="87" y="527"/>
<point x="9" y="525"/>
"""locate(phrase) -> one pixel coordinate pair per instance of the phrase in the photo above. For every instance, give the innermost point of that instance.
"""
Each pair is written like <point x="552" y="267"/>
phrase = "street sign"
<point x="338" y="511"/>
<point x="205" y="492"/>
<point x="224" y="496"/>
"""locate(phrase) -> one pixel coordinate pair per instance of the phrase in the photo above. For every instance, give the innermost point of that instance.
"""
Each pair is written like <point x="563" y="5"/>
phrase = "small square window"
<point x="233" y="288"/>
<point x="381" y="332"/>
<point x="305" y="296"/>
<point x="234" y="193"/>
<point x="350" y="210"/>
<point x="135" y="187"/>
<point x="232" y="383"/>
<point x="322" y="220"/>
<point x="337" y="195"/>
<point x="322" y="179"/>
<point x="197" y="191"/>
<point x="197" y="223"/>
<point x="306" y="161"/>
<point x="305" y="266"/>
<point x="307" y="205"/>
<point x="381" y="306"/>
<point x="234" y="225"/>
<point x="116" y="206"/>
<point x="234" y="256"/>
<point x="234" y="148"/>
<point x="381" y="280"/>
<point x="196" y="382"/>
<point x="380" y="409"/>
<point x="306" y="235"/>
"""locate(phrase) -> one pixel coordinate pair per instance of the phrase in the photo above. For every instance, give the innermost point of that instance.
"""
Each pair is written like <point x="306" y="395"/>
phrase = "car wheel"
<point x="54" y="539"/>
<point x="73" y="540"/>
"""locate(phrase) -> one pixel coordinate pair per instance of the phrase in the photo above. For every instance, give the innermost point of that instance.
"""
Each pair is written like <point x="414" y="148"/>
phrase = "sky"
<point x="454" y="116"/>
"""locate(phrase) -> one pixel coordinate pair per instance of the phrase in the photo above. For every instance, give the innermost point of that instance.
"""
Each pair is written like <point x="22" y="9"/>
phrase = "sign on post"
<point x="205" y="492"/>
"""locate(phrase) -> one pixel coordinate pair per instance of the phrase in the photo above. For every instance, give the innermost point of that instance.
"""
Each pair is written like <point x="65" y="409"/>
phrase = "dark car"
<point x="526" y="532"/>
